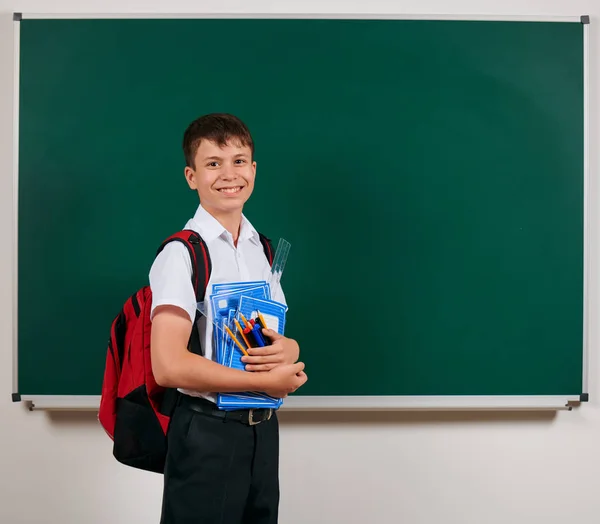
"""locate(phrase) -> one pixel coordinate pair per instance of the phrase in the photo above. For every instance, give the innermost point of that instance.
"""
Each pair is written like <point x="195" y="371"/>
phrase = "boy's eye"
<point x="240" y="161"/>
<point x="213" y="164"/>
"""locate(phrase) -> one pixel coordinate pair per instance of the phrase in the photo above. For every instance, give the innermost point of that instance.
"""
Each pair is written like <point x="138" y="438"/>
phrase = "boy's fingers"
<point x="266" y="350"/>
<point x="261" y="359"/>
<point x="260" y="367"/>
<point x="273" y="335"/>
<point x="299" y="367"/>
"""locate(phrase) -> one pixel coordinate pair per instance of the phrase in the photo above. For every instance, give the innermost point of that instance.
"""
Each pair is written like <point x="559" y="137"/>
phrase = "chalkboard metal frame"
<point x="315" y="403"/>
<point x="353" y="403"/>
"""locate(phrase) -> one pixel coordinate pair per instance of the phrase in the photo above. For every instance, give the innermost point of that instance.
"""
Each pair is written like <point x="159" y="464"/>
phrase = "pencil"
<point x="236" y="341"/>
<point x="237" y="324"/>
<point x="262" y="320"/>
<point x="244" y="320"/>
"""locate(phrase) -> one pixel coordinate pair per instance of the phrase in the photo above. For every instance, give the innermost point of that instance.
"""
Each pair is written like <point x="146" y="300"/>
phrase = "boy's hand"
<point x="283" y="380"/>
<point x="283" y="350"/>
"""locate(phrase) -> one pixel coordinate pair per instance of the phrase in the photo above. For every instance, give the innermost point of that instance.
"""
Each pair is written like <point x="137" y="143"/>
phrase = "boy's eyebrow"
<point x="211" y="158"/>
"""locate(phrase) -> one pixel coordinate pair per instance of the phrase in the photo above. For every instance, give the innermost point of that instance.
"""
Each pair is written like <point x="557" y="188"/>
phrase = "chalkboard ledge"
<point x="355" y="403"/>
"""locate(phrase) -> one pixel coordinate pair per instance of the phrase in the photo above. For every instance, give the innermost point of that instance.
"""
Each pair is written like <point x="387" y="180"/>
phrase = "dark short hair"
<point x="220" y="128"/>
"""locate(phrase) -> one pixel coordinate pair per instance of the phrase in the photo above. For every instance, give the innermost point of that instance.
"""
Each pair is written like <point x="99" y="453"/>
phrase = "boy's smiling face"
<point x="223" y="176"/>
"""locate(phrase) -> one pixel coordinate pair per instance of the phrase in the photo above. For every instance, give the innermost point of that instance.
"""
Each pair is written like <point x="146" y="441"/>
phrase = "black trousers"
<point x="220" y="470"/>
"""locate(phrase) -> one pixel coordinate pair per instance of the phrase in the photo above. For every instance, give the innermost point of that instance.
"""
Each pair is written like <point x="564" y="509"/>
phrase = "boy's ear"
<point x="190" y="176"/>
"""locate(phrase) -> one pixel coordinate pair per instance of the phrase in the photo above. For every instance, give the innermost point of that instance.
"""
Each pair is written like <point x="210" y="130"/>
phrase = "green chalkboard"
<point x="429" y="176"/>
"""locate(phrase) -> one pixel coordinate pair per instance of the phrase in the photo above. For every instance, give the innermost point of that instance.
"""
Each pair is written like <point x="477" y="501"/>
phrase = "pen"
<point x="260" y="340"/>
<point x="236" y="341"/>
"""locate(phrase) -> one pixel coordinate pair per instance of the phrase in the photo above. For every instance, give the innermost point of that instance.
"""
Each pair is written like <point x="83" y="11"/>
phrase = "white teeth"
<point x="230" y="189"/>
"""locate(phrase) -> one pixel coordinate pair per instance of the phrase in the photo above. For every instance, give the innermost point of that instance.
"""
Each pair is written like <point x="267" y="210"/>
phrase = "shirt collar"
<point x="248" y="232"/>
<point x="210" y="228"/>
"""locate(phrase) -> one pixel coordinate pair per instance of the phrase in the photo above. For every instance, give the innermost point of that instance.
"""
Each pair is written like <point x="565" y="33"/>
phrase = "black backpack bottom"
<point x="139" y="440"/>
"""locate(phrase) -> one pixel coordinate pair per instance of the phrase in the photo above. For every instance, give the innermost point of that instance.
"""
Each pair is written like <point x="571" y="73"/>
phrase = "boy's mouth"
<point x="230" y="190"/>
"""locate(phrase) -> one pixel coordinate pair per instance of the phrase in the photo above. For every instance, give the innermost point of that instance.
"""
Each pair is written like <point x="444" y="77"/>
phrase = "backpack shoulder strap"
<point x="267" y="246"/>
<point x="201" y="263"/>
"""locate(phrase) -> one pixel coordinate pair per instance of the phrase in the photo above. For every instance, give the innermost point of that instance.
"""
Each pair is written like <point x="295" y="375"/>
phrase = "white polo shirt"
<point x="171" y="272"/>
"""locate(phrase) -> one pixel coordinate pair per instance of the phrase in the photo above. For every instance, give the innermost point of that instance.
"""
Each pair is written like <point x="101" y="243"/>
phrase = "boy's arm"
<point x="174" y="366"/>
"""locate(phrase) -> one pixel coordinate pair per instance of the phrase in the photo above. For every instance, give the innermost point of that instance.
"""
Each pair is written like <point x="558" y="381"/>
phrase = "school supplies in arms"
<point x="237" y="313"/>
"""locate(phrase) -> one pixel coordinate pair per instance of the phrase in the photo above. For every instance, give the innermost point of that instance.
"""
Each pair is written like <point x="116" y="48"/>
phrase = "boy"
<point x="221" y="467"/>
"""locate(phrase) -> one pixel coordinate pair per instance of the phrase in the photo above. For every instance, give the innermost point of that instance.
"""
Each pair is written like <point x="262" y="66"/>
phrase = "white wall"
<point x="400" y="468"/>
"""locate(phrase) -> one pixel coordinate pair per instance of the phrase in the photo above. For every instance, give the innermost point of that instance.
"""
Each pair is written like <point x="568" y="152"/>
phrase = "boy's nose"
<point x="227" y="173"/>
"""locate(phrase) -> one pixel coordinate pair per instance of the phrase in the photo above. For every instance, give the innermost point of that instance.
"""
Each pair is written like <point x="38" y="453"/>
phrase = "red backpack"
<point x="134" y="410"/>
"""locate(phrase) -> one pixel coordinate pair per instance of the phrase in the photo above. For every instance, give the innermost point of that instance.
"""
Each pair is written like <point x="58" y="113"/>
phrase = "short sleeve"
<point x="171" y="280"/>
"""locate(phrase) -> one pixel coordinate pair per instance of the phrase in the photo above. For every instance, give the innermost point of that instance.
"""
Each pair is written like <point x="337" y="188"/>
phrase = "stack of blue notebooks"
<point x="239" y="311"/>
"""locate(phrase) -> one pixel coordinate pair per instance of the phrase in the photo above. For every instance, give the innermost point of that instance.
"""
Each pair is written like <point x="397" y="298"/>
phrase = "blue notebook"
<point x="236" y="301"/>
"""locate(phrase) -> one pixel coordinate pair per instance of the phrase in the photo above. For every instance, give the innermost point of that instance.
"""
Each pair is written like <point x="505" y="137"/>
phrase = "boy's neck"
<point x="231" y="221"/>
